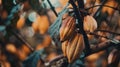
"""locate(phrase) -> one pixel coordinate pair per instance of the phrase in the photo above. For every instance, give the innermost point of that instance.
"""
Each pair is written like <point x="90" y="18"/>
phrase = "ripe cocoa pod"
<point x="64" y="45"/>
<point x="90" y="23"/>
<point x="76" y="47"/>
<point x="79" y="47"/>
<point x="71" y="50"/>
<point x="67" y="28"/>
<point x="73" y="47"/>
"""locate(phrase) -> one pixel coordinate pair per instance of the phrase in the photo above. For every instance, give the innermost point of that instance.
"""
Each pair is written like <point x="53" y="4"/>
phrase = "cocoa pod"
<point x="67" y="28"/>
<point x="71" y="50"/>
<point x="73" y="47"/>
<point x="79" y="47"/>
<point x="76" y="47"/>
<point x="90" y="23"/>
<point x="64" y="45"/>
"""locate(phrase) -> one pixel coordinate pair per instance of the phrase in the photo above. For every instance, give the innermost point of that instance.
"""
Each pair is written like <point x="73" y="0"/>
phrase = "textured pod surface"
<point x="73" y="47"/>
<point x="67" y="28"/>
<point x="90" y="23"/>
<point x="64" y="45"/>
<point x="79" y="48"/>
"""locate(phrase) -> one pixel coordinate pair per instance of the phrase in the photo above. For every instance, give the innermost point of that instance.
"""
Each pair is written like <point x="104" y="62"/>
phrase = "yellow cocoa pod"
<point x="67" y="28"/>
<point x="64" y="47"/>
<point x="90" y="23"/>
<point x="75" y="47"/>
<point x="71" y="50"/>
<point x="79" y="48"/>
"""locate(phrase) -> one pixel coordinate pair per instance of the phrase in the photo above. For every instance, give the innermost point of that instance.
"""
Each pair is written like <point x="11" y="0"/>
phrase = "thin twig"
<point x="47" y="64"/>
<point x="99" y="9"/>
<point x="98" y="35"/>
<point x="109" y="32"/>
<point x="93" y="5"/>
<point x="57" y="58"/>
<point x="102" y="6"/>
<point x="14" y="10"/>
<point x="53" y="8"/>
<point x="103" y="46"/>
<point x="23" y="40"/>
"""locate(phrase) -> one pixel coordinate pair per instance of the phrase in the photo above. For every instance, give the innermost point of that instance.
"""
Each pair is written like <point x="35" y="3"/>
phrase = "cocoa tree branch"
<point x="108" y="32"/>
<point x="102" y="46"/>
<point x="57" y="58"/>
<point x="80" y="4"/>
<point x="80" y="23"/>
<point x="102" y="6"/>
<point x="97" y="35"/>
<point x="60" y="61"/>
<point x="94" y="49"/>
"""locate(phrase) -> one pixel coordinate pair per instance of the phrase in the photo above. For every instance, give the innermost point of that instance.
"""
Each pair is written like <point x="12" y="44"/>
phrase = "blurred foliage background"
<point x="24" y="28"/>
